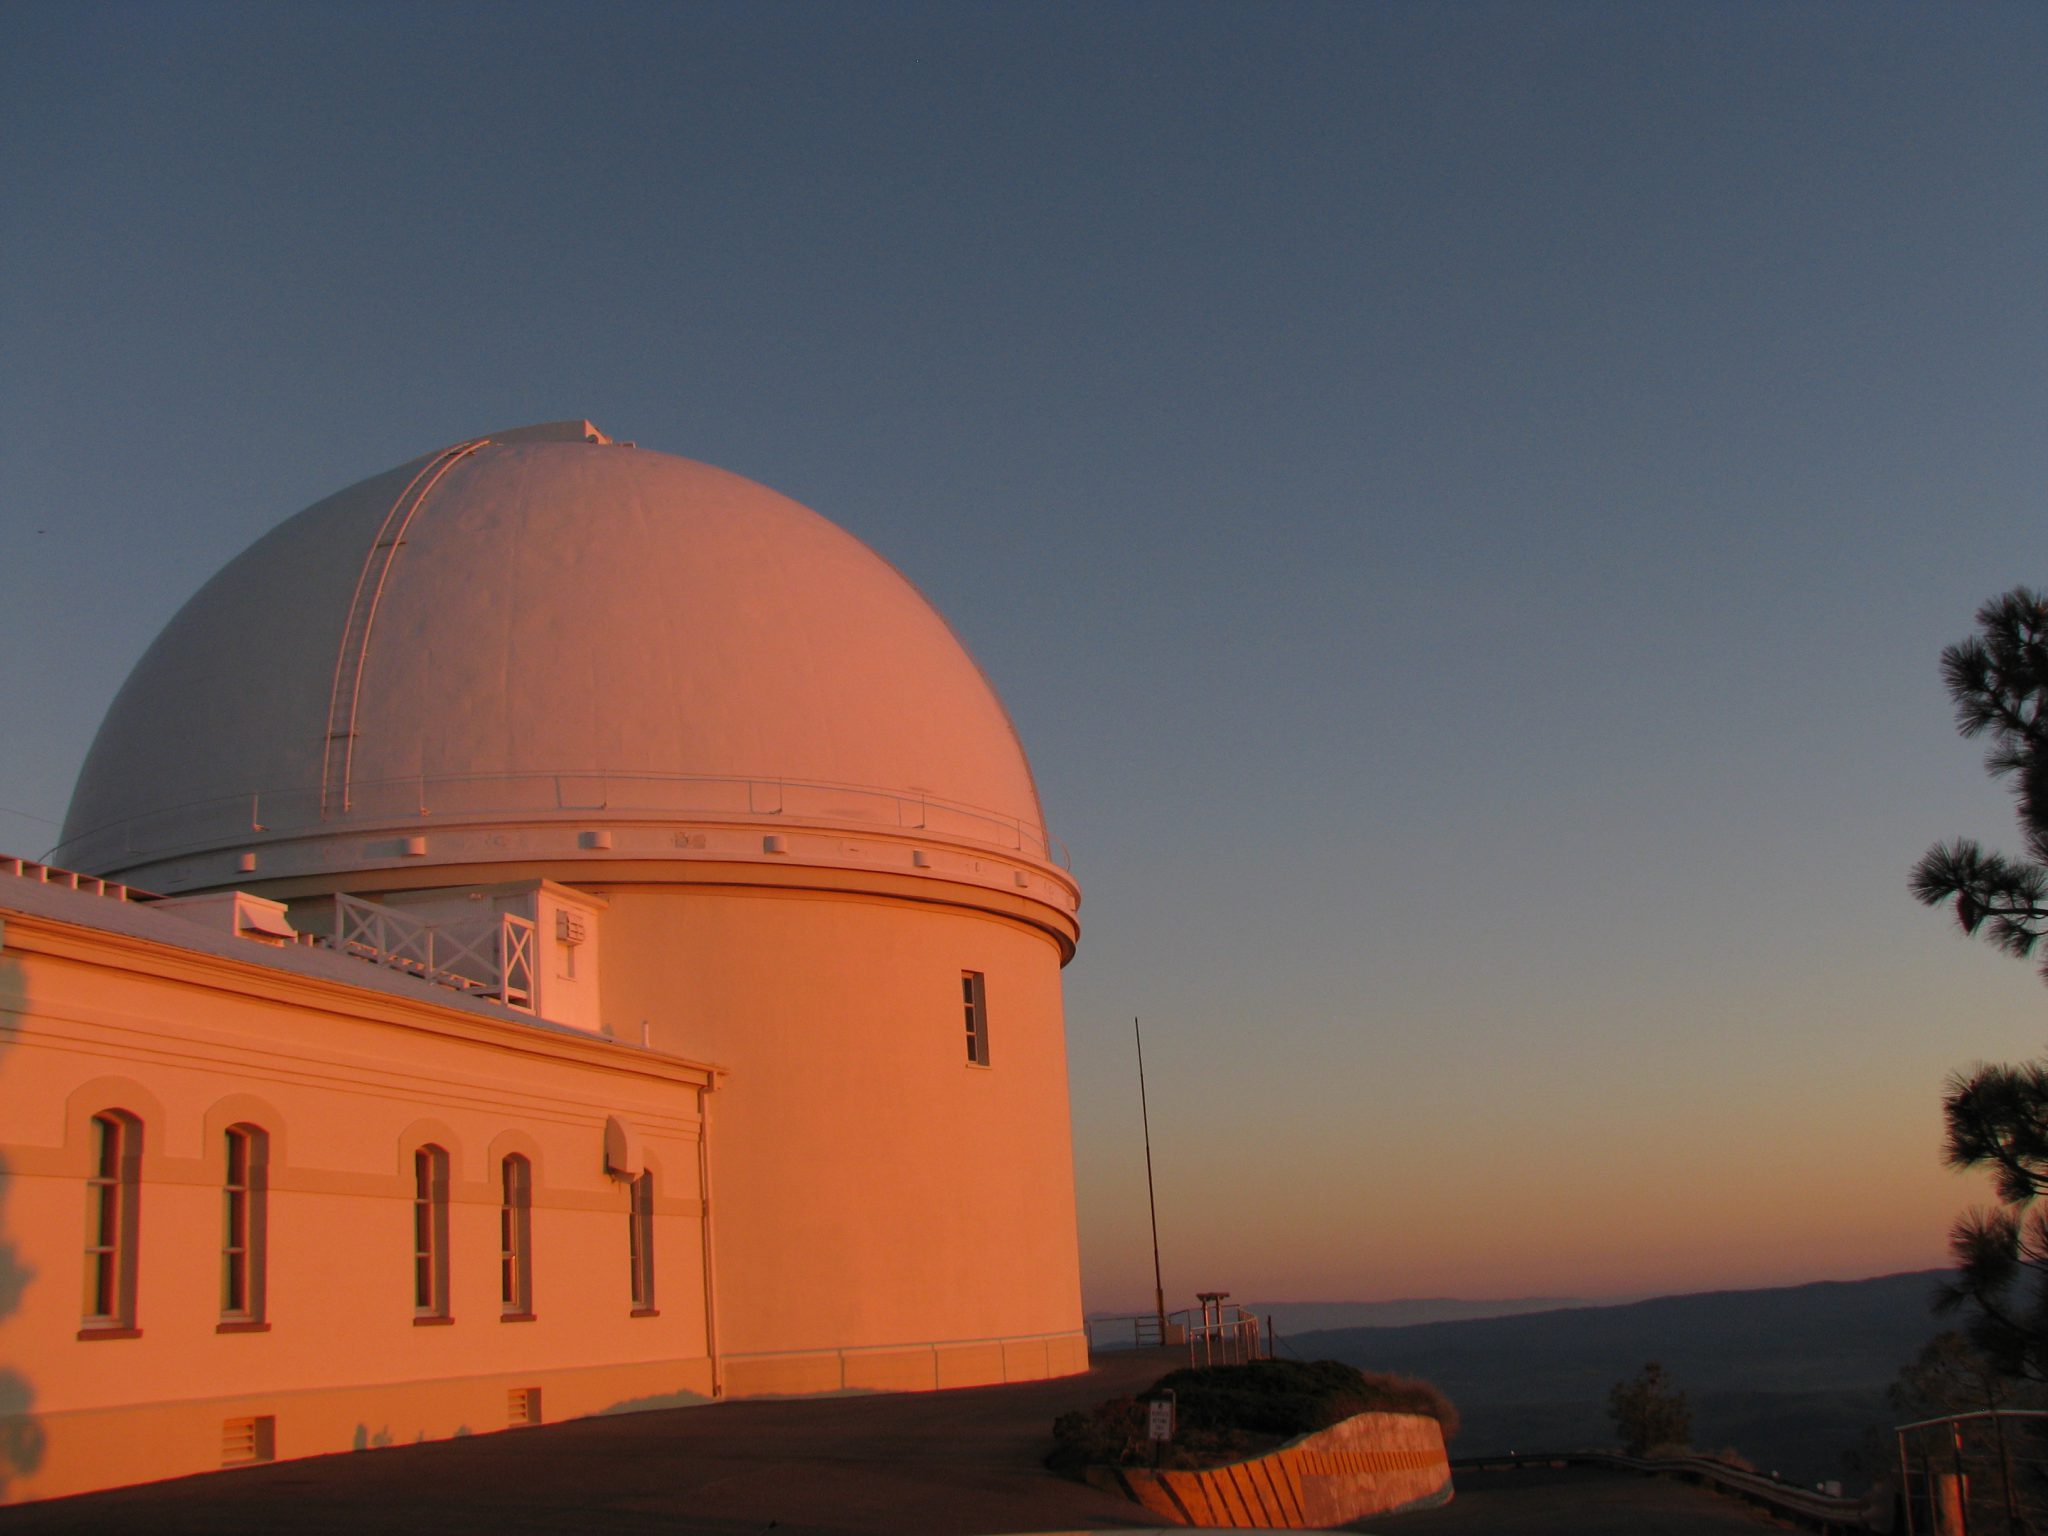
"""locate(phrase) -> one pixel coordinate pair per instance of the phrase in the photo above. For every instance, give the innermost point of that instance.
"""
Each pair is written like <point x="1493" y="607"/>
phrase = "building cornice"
<point x="82" y="942"/>
<point x="934" y="885"/>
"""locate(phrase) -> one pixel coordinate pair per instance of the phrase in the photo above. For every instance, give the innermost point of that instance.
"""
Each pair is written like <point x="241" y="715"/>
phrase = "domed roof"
<point x="545" y="626"/>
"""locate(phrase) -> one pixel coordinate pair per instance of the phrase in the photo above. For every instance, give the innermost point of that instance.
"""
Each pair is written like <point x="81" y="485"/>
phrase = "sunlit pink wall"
<point x="873" y="1187"/>
<point x="347" y="1084"/>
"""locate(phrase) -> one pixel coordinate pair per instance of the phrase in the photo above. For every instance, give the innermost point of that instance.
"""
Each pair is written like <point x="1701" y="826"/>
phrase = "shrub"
<point x="1229" y="1412"/>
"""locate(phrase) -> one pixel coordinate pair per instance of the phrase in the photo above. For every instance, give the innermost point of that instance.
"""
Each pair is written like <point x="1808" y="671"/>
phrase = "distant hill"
<point x="1293" y="1317"/>
<point x="1791" y="1377"/>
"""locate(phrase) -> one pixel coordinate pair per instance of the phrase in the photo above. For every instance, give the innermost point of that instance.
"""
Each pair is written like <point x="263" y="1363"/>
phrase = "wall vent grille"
<point x="522" y="1406"/>
<point x="245" y="1442"/>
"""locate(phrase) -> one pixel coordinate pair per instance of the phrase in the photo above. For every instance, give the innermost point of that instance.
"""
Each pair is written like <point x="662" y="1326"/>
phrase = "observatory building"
<point x="551" y="929"/>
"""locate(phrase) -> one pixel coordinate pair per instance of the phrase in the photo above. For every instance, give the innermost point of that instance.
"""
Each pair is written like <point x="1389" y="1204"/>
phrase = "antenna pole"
<point x="1151" y="1200"/>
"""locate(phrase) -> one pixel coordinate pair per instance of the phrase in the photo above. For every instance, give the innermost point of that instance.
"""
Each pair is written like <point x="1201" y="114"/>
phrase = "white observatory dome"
<point x="545" y="643"/>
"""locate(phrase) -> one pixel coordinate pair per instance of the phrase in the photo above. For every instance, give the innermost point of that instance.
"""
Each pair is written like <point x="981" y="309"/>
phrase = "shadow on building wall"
<point x="677" y="1399"/>
<point x="21" y="1432"/>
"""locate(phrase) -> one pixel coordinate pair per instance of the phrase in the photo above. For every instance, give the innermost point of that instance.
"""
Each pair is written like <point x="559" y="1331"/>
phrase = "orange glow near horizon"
<point x="1410" y="1242"/>
<point x="1703" y="1158"/>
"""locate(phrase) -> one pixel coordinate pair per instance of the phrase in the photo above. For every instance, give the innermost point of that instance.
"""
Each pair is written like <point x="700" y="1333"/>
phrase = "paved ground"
<point x="961" y="1463"/>
<point x="1579" y="1501"/>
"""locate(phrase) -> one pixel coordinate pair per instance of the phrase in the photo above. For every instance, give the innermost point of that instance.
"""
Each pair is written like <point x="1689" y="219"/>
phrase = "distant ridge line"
<point x="1791" y="1376"/>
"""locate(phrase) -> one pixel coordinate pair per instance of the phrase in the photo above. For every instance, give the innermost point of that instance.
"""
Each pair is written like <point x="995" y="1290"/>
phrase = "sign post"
<point x="1159" y="1422"/>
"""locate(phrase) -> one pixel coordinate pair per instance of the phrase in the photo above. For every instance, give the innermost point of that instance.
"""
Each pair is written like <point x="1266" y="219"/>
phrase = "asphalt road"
<point x="963" y="1463"/>
<point x="1579" y="1501"/>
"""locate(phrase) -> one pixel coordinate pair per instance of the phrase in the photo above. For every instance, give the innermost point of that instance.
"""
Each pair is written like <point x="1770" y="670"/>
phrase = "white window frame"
<point x="113" y="1208"/>
<point x="245" y="1226"/>
<point x="515" y="1236"/>
<point x="640" y="1241"/>
<point x="430" y="1234"/>
<point x="974" y="1006"/>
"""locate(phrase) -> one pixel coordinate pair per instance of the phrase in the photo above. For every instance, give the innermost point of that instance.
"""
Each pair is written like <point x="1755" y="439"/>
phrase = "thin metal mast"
<point x="1151" y="1200"/>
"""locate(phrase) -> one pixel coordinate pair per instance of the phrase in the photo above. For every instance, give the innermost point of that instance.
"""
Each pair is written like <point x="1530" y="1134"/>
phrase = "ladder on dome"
<point x="338" y="756"/>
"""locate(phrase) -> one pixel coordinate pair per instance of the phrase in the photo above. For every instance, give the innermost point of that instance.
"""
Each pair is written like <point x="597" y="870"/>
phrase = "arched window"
<point x="112" y="1211"/>
<point x="515" y="1236"/>
<point x="640" y="1242"/>
<point x="245" y="1201"/>
<point x="430" y="1235"/>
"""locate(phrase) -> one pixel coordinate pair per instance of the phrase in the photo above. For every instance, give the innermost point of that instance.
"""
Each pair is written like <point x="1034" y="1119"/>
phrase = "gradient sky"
<point x="1463" y="503"/>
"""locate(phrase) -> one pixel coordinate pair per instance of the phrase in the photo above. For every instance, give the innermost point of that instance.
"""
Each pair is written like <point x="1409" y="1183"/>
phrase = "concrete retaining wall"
<point x="1368" y="1465"/>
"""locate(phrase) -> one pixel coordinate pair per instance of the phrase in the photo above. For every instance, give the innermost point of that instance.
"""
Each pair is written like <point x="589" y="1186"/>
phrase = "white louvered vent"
<point x="244" y="1442"/>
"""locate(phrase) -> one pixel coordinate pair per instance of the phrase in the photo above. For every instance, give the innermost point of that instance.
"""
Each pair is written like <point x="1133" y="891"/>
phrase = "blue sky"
<point x="1462" y="501"/>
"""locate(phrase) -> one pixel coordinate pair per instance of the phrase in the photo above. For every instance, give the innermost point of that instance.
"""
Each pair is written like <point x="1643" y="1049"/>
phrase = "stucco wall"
<point x="346" y="1084"/>
<point x="875" y="1190"/>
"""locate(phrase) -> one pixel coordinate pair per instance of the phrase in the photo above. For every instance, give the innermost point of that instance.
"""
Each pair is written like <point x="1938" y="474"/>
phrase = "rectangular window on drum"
<point x="974" y="1003"/>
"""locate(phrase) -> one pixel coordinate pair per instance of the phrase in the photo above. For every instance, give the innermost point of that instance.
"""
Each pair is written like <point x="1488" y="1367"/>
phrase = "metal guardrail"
<point x="1790" y="1501"/>
<point x="1139" y="1330"/>
<point x="1220" y="1333"/>
<point x="1982" y="1473"/>
<point x="1214" y="1333"/>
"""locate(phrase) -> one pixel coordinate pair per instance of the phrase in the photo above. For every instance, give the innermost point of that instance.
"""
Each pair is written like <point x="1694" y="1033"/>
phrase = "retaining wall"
<point x="1370" y="1464"/>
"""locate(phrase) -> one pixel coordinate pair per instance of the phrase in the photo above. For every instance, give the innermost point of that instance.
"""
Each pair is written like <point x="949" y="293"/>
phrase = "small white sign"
<point x="1162" y="1420"/>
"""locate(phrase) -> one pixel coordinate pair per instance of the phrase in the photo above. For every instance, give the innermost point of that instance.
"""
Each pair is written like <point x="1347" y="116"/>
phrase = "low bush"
<point x="1229" y="1412"/>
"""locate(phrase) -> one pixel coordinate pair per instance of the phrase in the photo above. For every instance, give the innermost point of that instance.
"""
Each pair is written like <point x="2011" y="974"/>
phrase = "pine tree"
<point x="1998" y="679"/>
<point x="1998" y="1119"/>
<point x="1649" y="1413"/>
<point x="1997" y="1116"/>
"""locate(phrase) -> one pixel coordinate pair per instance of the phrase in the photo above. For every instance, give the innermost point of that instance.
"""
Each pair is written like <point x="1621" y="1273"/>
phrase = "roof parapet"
<point x="72" y="880"/>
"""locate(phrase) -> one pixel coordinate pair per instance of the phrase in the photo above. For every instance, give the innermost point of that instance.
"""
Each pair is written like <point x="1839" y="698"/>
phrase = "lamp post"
<point x="1151" y="1200"/>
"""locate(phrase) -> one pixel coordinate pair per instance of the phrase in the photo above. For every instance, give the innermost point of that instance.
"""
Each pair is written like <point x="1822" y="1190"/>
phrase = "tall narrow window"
<point x="515" y="1236"/>
<point x="111" y="1222"/>
<point x="640" y="1242"/>
<point x="430" y="1235"/>
<point x="244" y="1218"/>
<point x="974" y="1001"/>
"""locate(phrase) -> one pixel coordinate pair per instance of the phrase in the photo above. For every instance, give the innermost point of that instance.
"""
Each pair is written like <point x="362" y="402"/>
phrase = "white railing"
<point x="1141" y="1330"/>
<point x="490" y="956"/>
<point x="1220" y="1332"/>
